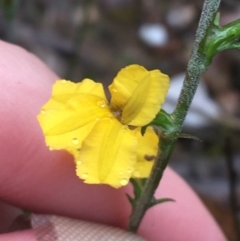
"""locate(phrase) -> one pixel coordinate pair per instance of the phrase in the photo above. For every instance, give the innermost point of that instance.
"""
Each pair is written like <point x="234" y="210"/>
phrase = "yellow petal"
<point x="108" y="154"/>
<point x="70" y="141"/>
<point x="64" y="89"/>
<point x="146" y="154"/>
<point x="146" y="99"/>
<point x="125" y="83"/>
<point x="70" y="114"/>
<point x="77" y="112"/>
<point x="139" y="93"/>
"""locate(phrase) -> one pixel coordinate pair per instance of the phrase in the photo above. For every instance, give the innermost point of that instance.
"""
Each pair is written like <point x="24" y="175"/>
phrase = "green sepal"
<point x="164" y="122"/>
<point x="219" y="38"/>
<point x="165" y="125"/>
<point x="216" y="20"/>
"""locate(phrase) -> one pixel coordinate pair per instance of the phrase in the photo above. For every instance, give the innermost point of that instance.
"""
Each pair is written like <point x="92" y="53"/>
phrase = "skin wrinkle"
<point x="49" y="182"/>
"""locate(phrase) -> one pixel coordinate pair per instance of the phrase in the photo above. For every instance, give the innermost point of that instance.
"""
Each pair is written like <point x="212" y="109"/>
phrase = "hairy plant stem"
<point x="196" y="66"/>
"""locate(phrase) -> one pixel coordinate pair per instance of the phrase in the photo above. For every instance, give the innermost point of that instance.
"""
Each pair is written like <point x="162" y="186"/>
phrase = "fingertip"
<point x="17" y="64"/>
<point x="185" y="219"/>
<point x="26" y="235"/>
<point x="25" y="86"/>
<point x="46" y="182"/>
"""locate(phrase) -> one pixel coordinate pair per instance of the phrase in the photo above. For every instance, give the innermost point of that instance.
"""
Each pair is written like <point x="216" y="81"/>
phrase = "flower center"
<point x="118" y="115"/>
<point x="116" y="112"/>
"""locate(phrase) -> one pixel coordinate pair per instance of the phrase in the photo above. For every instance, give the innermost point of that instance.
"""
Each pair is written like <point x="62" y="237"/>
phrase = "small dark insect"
<point x="149" y="158"/>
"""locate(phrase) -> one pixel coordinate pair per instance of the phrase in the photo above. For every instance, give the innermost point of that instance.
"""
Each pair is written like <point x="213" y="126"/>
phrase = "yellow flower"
<point x="105" y="138"/>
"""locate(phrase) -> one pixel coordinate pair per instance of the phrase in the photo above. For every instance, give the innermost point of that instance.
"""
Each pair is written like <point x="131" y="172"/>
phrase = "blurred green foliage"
<point x="10" y="8"/>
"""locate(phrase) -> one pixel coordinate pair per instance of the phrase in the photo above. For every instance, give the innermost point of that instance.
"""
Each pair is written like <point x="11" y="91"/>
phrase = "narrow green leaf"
<point x="187" y="136"/>
<point x="159" y="201"/>
<point x="131" y="200"/>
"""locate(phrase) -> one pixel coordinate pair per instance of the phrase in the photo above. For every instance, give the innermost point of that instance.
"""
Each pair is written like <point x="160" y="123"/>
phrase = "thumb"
<point x="56" y="228"/>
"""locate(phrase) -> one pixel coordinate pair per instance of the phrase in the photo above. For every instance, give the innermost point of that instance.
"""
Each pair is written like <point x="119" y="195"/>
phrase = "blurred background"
<point x="95" y="39"/>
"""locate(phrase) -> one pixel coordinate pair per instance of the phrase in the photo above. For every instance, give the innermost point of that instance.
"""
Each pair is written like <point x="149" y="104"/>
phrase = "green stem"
<point x="197" y="63"/>
<point x="151" y="185"/>
<point x="196" y="66"/>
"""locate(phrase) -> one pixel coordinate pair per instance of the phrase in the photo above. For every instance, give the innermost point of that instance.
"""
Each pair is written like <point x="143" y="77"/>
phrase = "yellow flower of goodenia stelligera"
<point x="105" y="137"/>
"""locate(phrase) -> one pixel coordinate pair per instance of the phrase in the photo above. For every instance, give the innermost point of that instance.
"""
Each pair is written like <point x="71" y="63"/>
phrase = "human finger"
<point x="36" y="179"/>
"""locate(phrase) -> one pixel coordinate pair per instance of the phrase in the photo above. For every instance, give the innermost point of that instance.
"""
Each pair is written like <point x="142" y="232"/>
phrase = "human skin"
<point x="43" y="181"/>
